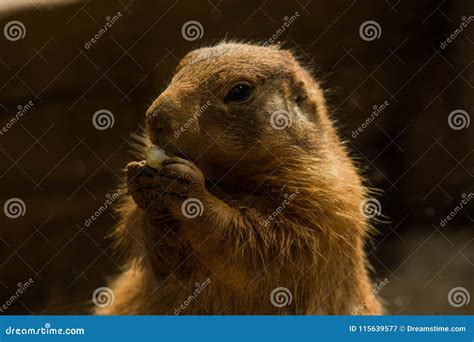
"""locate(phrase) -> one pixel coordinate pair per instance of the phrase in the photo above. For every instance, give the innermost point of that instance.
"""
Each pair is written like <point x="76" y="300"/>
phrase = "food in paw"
<point x="155" y="156"/>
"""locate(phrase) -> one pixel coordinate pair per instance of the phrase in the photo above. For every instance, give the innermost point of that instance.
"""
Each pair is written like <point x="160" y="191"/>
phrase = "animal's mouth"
<point x="161" y="138"/>
<point x="170" y="150"/>
<point x="181" y="155"/>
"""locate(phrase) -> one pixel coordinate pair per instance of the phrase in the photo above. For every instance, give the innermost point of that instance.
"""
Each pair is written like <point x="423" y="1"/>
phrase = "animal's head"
<point x="233" y="106"/>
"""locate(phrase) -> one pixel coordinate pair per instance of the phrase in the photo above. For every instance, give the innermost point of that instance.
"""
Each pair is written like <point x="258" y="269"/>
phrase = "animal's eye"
<point x="239" y="93"/>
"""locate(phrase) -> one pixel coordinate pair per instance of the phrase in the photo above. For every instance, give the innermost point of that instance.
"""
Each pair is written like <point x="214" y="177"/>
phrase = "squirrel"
<point x="256" y="207"/>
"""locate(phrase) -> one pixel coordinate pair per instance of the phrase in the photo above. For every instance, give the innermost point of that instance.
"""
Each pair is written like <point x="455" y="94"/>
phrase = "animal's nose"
<point x="157" y="119"/>
<point x="160" y="116"/>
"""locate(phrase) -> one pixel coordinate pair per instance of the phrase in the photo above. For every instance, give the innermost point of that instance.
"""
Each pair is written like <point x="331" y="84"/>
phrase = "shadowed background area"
<point x="391" y="96"/>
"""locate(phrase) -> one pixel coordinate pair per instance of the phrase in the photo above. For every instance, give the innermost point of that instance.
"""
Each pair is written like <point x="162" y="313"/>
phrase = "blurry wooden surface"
<point x="63" y="168"/>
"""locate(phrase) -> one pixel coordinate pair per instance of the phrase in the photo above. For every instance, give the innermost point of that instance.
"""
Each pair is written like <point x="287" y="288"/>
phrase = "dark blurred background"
<point x="63" y="168"/>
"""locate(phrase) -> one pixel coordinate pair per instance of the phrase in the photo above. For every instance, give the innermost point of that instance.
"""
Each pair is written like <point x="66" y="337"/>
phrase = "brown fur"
<point x="242" y="170"/>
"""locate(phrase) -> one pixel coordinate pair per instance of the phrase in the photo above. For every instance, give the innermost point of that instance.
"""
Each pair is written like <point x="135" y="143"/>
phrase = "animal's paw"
<point x="183" y="187"/>
<point x="177" y="185"/>
<point x="140" y="184"/>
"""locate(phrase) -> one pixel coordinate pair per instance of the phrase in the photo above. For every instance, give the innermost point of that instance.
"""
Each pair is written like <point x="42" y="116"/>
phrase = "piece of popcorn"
<point x="155" y="156"/>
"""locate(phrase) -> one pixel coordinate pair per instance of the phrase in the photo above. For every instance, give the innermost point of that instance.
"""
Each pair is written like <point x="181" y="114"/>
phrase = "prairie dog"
<point x="258" y="205"/>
